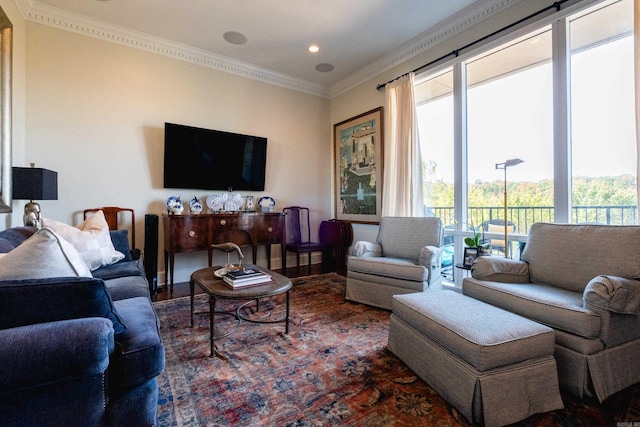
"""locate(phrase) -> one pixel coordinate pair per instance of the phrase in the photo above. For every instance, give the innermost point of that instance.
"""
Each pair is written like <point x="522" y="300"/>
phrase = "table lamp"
<point x="505" y="165"/>
<point x="34" y="184"/>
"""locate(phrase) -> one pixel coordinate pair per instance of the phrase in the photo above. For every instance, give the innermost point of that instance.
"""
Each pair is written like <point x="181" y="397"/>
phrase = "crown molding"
<point x="46" y="15"/>
<point x="54" y="17"/>
<point x="469" y="17"/>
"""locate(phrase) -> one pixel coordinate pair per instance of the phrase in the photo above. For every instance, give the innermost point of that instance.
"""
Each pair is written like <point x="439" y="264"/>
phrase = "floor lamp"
<point x="505" y="165"/>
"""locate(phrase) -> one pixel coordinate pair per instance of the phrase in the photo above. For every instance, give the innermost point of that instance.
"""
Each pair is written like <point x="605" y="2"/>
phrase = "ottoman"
<point x="493" y="366"/>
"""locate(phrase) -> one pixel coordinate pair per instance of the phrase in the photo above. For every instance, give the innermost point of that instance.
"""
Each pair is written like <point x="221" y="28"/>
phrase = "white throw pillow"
<point x="91" y="239"/>
<point x="43" y="255"/>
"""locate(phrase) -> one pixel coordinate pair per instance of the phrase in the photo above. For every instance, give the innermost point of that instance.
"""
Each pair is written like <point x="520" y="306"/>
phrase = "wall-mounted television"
<point x="197" y="158"/>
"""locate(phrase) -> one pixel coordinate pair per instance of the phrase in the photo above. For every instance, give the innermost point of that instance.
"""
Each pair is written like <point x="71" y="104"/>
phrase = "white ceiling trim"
<point x="80" y="24"/>
<point x="468" y="17"/>
<point x="67" y="21"/>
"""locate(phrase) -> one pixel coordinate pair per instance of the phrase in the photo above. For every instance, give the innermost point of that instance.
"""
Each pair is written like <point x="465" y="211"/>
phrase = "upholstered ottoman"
<point x="494" y="366"/>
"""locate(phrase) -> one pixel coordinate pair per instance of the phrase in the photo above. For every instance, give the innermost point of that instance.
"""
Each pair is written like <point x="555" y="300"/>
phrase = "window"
<point x="509" y="95"/>
<point x="602" y="116"/>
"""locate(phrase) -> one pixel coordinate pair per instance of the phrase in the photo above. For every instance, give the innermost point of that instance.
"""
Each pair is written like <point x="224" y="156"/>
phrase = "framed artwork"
<point x="358" y="148"/>
<point x="470" y="255"/>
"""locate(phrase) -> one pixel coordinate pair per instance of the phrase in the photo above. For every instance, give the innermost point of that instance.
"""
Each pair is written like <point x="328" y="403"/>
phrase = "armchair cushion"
<point x="43" y="255"/>
<point x="27" y="302"/>
<point x="397" y="268"/>
<point x="499" y="269"/>
<point x="614" y="294"/>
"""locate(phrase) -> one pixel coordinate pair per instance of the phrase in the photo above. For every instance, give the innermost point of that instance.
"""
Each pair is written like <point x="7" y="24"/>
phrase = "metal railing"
<point x="524" y="216"/>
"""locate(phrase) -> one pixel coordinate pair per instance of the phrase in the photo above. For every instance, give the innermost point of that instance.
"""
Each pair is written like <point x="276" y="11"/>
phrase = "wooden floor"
<point x="182" y="289"/>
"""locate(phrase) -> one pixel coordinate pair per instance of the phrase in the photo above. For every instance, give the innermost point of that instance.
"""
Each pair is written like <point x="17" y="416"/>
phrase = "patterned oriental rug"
<point x="332" y="369"/>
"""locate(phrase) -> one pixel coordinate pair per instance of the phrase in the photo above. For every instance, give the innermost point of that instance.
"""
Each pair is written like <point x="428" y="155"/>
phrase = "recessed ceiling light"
<point x="324" y="67"/>
<point x="235" y="37"/>
<point x="313" y="48"/>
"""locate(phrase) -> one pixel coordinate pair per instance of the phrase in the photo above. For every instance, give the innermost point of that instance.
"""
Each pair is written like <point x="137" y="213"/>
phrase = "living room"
<point x="78" y="111"/>
<point x="92" y="107"/>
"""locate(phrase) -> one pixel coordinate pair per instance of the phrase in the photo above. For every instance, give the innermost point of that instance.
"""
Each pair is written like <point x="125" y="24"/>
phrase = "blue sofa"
<point x="81" y="351"/>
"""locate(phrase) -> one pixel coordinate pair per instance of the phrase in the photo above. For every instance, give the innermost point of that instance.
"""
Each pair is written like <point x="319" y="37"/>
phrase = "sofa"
<point x="405" y="258"/>
<point x="583" y="282"/>
<point x="80" y="345"/>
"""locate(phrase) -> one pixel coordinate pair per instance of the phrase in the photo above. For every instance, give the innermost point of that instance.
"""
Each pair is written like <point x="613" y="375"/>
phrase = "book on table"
<point x="242" y="278"/>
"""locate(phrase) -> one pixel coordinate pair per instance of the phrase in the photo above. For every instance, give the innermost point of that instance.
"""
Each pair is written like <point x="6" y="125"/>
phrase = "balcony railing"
<point x="524" y="216"/>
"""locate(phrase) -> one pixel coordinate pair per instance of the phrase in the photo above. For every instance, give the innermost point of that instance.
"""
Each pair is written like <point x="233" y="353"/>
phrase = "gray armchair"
<point x="405" y="258"/>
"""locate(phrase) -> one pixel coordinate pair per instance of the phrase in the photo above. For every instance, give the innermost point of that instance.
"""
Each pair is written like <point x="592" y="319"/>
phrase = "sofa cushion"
<point x="27" y="302"/>
<point x="569" y="256"/>
<point x="555" y="307"/>
<point x="139" y="354"/>
<point x="120" y="240"/>
<point x="404" y="237"/>
<point x="119" y="269"/>
<point x="13" y="237"/>
<point x="43" y="255"/>
<point x="91" y="239"/>
<point x="128" y="287"/>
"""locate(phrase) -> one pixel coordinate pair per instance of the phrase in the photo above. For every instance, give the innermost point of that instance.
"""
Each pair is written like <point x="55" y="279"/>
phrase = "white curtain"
<point x="636" y="57"/>
<point x="402" y="182"/>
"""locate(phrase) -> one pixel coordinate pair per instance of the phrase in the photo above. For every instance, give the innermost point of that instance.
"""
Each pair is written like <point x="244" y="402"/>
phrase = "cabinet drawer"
<point x="187" y="233"/>
<point x="270" y="228"/>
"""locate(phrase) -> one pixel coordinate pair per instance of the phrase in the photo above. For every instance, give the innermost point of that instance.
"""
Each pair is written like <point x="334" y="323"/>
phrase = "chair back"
<point x="115" y="218"/>
<point x="497" y="226"/>
<point x="404" y="237"/>
<point x="297" y="226"/>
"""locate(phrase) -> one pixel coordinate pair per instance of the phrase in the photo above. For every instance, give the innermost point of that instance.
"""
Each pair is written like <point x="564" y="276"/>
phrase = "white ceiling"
<point x="353" y="35"/>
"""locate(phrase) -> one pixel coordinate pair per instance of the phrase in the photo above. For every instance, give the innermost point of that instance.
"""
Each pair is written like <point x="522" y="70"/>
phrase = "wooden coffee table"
<point x="217" y="289"/>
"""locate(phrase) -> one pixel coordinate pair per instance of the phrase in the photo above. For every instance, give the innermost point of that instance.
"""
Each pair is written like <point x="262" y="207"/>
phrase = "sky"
<point x="512" y="118"/>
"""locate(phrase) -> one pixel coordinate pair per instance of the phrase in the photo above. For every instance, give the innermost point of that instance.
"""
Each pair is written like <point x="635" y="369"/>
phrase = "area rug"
<point x="332" y="369"/>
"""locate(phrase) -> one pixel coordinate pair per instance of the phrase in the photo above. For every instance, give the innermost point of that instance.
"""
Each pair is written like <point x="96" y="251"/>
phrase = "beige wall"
<point x="96" y="112"/>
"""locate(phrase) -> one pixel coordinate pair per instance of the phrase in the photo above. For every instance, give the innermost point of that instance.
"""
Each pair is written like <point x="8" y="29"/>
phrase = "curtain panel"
<point x="402" y="182"/>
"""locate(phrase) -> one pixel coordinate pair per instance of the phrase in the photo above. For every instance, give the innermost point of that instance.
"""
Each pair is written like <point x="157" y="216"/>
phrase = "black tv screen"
<point x="213" y="160"/>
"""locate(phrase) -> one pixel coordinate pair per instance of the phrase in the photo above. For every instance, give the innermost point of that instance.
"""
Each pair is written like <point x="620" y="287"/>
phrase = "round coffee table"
<point x="217" y="289"/>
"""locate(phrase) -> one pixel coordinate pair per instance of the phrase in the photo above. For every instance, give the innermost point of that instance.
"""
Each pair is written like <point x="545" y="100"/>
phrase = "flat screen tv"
<point x="196" y="158"/>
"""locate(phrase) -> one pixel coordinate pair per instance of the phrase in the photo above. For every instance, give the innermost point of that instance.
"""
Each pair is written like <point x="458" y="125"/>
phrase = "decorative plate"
<point x="215" y="202"/>
<point x="266" y="202"/>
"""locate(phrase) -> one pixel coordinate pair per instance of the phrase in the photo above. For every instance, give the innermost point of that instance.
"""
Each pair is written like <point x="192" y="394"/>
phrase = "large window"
<point x="602" y="116"/>
<point x="509" y="106"/>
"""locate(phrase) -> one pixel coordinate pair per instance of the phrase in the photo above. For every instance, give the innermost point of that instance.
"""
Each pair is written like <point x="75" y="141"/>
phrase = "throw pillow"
<point x="91" y="239"/>
<point x="43" y="255"/>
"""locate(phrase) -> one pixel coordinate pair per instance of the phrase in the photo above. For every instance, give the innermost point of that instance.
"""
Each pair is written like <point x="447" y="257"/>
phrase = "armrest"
<point x="498" y="269"/>
<point x="614" y="294"/>
<point x="431" y="258"/>
<point x="367" y="249"/>
<point x="52" y="352"/>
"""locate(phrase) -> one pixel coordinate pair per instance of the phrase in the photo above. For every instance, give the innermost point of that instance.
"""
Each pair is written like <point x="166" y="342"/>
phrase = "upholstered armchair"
<point x="405" y="258"/>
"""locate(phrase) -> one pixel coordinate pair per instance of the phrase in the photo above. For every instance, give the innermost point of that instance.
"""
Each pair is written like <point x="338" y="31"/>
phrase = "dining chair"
<point x="298" y="233"/>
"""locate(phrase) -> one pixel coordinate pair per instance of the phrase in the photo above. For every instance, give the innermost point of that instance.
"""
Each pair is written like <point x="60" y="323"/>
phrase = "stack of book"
<point x="248" y="277"/>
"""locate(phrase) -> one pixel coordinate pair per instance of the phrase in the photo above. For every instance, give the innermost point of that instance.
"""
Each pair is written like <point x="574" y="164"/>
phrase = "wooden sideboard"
<point x="190" y="233"/>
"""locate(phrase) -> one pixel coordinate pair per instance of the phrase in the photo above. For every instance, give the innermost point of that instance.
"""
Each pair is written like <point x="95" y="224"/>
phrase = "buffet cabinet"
<point x="190" y="233"/>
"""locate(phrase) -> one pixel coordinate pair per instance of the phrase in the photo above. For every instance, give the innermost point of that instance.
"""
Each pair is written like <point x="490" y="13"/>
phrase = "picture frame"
<point x="470" y="255"/>
<point x="358" y="157"/>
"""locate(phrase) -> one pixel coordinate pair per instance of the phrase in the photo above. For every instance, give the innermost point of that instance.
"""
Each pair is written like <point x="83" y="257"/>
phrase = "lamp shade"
<point x="35" y="184"/>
